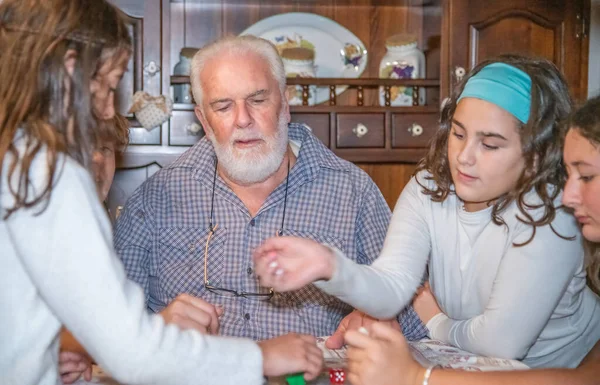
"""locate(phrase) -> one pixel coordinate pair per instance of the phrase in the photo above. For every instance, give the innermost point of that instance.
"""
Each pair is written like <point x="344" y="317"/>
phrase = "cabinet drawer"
<point x="179" y="133"/>
<point x="413" y="130"/>
<point x="360" y="130"/>
<point x="318" y="123"/>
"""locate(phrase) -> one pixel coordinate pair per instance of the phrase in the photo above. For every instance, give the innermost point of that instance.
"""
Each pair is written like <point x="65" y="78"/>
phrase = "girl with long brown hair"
<point x="582" y="195"/>
<point x="483" y="212"/>
<point x="60" y="63"/>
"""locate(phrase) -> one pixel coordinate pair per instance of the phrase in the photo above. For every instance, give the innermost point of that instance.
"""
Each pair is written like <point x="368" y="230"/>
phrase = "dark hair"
<point x="586" y="121"/>
<point x="540" y="142"/>
<point x="116" y="131"/>
<point x="38" y="96"/>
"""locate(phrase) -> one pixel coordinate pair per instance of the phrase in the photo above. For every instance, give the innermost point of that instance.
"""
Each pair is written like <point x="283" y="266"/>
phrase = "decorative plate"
<point x="338" y="52"/>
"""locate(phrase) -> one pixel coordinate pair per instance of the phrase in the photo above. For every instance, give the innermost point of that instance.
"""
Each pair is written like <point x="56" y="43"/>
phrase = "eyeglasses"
<point x="224" y="292"/>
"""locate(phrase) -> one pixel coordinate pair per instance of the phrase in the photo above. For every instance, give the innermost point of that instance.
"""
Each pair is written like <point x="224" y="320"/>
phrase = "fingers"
<point x="353" y="378"/>
<point x="189" y="324"/>
<point x="292" y="353"/>
<point x="190" y="312"/>
<point x="72" y="365"/>
<point x="336" y="341"/>
<point x="357" y="339"/>
<point x="314" y="362"/>
<point x="68" y="355"/>
<point x="70" y="377"/>
<point x="271" y="245"/>
<point x="356" y="358"/>
<point x="385" y="332"/>
<point x="356" y="320"/>
<point x="205" y="312"/>
<point x="353" y="320"/>
<point x="87" y="375"/>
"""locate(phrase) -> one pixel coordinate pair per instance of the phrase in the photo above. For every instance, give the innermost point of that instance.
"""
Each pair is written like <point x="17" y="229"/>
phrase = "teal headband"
<point x="504" y="85"/>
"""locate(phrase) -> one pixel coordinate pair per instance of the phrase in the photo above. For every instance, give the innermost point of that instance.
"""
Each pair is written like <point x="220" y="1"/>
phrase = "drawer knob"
<point x="152" y="68"/>
<point x="193" y="128"/>
<point x="459" y="72"/>
<point x="360" y="130"/>
<point x="415" y="129"/>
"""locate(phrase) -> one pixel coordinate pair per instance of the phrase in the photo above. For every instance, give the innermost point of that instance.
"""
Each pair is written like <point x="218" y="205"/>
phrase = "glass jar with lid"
<point x="182" y="92"/>
<point x="299" y="62"/>
<point x="403" y="60"/>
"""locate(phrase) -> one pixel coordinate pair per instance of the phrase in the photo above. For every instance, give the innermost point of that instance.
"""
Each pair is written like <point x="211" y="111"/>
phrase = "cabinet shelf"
<point x="324" y="108"/>
<point x="362" y="82"/>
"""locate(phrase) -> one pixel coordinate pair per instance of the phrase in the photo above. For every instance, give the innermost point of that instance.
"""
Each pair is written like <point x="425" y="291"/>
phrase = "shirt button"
<point x="247" y="316"/>
<point x="252" y="222"/>
<point x="249" y="270"/>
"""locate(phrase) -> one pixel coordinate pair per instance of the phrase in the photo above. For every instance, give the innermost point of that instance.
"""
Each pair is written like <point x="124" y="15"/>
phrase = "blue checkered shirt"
<point x="162" y="232"/>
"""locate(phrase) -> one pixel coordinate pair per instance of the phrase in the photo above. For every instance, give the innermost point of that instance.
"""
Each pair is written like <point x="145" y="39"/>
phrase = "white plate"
<point x="338" y="52"/>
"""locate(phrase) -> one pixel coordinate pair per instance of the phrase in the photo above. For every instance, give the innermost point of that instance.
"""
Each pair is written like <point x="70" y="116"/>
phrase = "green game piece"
<point x="295" y="379"/>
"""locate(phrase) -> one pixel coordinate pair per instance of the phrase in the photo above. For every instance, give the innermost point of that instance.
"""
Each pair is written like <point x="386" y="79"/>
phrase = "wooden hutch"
<point x="454" y="35"/>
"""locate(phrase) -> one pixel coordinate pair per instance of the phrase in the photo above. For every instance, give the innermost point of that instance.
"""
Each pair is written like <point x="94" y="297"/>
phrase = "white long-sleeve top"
<point x="59" y="267"/>
<point x="529" y="302"/>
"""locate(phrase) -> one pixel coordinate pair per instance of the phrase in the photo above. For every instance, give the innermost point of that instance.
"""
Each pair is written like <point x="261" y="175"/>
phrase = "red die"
<point x="336" y="376"/>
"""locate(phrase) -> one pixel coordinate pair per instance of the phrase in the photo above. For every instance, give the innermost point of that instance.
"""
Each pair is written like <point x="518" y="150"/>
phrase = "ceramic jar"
<point x="403" y="60"/>
<point x="299" y="62"/>
<point x="182" y="92"/>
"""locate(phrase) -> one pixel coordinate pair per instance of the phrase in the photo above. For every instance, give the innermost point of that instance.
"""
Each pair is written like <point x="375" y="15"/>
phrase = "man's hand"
<point x="354" y="321"/>
<point x="292" y="353"/>
<point x="72" y="365"/>
<point x="189" y="312"/>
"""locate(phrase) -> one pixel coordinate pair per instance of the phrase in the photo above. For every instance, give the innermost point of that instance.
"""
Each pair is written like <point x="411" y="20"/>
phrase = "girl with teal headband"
<point x="582" y="195"/>
<point x="483" y="212"/>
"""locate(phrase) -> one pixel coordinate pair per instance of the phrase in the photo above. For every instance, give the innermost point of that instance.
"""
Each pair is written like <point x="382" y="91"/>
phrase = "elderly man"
<point x="187" y="234"/>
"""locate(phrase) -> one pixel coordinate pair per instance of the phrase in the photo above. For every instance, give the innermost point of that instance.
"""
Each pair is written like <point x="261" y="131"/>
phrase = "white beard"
<point x="253" y="165"/>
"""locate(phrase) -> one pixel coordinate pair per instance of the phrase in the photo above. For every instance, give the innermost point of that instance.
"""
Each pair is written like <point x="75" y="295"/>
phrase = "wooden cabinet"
<point x="385" y="141"/>
<point x="553" y="29"/>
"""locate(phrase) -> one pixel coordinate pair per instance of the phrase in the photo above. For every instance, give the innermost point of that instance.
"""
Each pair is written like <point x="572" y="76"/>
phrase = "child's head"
<point x="500" y="136"/>
<point x="582" y="191"/>
<point x="61" y="62"/>
<point x="582" y="161"/>
<point x="113" y="137"/>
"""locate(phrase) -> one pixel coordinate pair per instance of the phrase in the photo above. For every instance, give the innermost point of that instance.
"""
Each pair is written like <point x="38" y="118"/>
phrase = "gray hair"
<point x="238" y="45"/>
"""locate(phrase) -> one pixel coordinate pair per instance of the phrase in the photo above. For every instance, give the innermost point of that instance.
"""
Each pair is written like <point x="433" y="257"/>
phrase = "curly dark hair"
<point x="540" y="142"/>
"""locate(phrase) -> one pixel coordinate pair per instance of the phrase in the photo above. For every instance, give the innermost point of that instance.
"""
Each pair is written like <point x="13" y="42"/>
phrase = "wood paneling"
<point x="477" y="30"/>
<point x="413" y="130"/>
<point x="371" y="21"/>
<point x="451" y="33"/>
<point x="318" y="123"/>
<point x="390" y="178"/>
<point x="360" y="130"/>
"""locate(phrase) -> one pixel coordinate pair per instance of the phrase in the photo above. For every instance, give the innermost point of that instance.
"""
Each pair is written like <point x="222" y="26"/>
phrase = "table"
<point x="426" y="352"/>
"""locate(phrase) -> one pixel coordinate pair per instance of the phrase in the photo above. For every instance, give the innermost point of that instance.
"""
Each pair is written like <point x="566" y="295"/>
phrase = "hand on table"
<point x="382" y="357"/>
<point x="290" y="263"/>
<point x="354" y="321"/>
<point x="292" y="353"/>
<point x="189" y="312"/>
<point x="72" y="365"/>
<point x="425" y="304"/>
